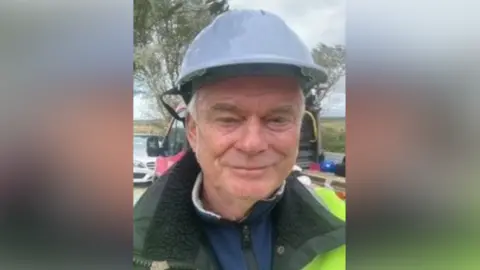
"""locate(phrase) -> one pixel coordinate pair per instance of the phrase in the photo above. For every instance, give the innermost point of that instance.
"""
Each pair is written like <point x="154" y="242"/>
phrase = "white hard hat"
<point x="247" y="42"/>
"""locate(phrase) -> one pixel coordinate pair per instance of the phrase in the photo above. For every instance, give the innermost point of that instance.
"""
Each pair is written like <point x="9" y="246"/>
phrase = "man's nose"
<point x="252" y="140"/>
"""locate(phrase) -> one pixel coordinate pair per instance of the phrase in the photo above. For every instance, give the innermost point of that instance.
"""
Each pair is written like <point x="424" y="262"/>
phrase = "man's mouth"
<point x="250" y="168"/>
<point x="250" y="172"/>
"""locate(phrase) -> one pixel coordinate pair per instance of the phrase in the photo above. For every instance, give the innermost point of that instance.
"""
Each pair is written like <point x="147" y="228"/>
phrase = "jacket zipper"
<point x="150" y="265"/>
<point x="142" y="262"/>
<point x="248" y="253"/>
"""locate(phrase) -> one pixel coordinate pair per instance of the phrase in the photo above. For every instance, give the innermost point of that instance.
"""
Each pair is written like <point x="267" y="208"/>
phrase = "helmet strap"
<point x="172" y="92"/>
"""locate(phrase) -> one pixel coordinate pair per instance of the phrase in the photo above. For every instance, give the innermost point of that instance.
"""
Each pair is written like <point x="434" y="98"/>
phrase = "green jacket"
<point x="168" y="235"/>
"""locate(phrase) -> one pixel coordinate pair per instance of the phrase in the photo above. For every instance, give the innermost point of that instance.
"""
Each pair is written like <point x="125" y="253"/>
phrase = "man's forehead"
<point x="259" y="94"/>
<point x="252" y="85"/>
<point x="232" y="101"/>
<point x="251" y="88"/>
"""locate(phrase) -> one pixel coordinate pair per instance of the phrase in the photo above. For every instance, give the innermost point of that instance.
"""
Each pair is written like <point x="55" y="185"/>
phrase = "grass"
<point x="333" y="135"/>
<point x="149" y="129"/>
<point x="336" y="124"/>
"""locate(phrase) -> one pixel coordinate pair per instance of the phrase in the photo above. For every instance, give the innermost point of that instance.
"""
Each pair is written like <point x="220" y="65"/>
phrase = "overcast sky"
<point x="314" y="21"/>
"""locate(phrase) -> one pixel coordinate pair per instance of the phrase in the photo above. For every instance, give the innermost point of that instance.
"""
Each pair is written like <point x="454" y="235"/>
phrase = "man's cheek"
<point x="288" y="140"/>
<point x="219" y="143"/>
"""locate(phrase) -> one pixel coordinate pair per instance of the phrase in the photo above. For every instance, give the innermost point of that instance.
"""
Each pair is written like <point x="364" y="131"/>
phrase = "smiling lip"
<point x="250" y="169"/>
<point x="249" y="173"/>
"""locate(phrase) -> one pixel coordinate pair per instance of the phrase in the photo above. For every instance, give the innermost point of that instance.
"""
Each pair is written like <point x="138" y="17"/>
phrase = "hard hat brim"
<point x="308" y="76"/>
<point x="315" y="73"/>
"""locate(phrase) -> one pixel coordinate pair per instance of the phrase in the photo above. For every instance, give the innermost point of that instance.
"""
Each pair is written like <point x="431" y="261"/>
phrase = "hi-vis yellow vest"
<point x="335" y="259"/>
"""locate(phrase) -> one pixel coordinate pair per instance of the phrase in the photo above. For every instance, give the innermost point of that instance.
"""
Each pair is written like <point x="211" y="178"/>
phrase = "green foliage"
<point x="332" y="58"/>
<point x="333" y="138"/>
<point x="329" y="56"/>
<point x="142" y="22"/>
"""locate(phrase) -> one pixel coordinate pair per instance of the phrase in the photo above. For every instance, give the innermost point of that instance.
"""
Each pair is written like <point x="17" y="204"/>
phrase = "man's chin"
<point x="248" y="189"/>
<point x="251" y="197"/>
<point x="249" y="174"/>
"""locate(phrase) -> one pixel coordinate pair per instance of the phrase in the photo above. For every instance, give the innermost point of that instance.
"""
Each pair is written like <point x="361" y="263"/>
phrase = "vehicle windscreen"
<point x="139" y="146"/>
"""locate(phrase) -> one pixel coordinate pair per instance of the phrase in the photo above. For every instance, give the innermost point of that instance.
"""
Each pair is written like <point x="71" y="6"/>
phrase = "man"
<point x="232" y="202"/>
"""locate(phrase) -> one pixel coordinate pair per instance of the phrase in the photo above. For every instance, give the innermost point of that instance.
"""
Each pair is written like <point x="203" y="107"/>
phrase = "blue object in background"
<point x="327" y="166"/>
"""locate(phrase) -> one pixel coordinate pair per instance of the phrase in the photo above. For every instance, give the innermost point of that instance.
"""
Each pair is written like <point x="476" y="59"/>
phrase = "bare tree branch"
<point x="332" y="58"/>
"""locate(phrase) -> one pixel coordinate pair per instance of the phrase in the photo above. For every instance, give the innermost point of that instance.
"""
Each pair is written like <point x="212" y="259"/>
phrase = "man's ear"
<point x="191" y="128"/>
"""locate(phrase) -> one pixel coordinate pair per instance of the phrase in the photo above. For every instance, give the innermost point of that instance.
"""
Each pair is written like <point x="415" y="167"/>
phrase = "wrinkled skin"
<point x="245" y="134"/>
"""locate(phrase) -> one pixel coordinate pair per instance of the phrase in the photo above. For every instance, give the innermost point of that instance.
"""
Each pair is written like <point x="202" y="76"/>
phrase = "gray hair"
<point x="192" y="106"/>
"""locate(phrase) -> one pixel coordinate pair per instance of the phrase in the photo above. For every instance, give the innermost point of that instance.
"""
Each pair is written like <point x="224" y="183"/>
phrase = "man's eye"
<point x="228" y="120"/>
<point x="278" y="120"/>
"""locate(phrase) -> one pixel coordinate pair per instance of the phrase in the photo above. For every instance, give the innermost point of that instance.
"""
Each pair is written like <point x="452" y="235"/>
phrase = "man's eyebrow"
<point x="228" y="107"/>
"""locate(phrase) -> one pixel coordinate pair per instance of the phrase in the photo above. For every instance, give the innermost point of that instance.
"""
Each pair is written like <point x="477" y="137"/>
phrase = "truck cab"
<point x="174" y="144"/>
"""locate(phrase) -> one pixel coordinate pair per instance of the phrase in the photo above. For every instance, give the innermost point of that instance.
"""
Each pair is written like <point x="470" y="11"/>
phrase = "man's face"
<point x="246" y="134"/>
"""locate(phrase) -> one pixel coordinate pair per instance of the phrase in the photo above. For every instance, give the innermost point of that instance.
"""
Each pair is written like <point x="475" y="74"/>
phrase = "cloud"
<point x="334" y="103"/>
<point x="340" y="85"/>
<point x="313" y="20"/>
<point x="138" y="108"/>
<point x="142" y="108"/>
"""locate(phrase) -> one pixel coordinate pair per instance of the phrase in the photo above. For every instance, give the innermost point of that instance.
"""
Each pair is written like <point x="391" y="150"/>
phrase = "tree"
<point x="163" y="29"/>
<point x="332" y="58"/>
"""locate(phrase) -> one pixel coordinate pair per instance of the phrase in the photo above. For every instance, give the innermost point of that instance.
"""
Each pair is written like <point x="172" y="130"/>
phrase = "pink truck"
<point x="173" y="146"/>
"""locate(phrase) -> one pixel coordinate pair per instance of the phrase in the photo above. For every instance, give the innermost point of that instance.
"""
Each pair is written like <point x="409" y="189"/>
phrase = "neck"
<point x="227" y="207"/>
